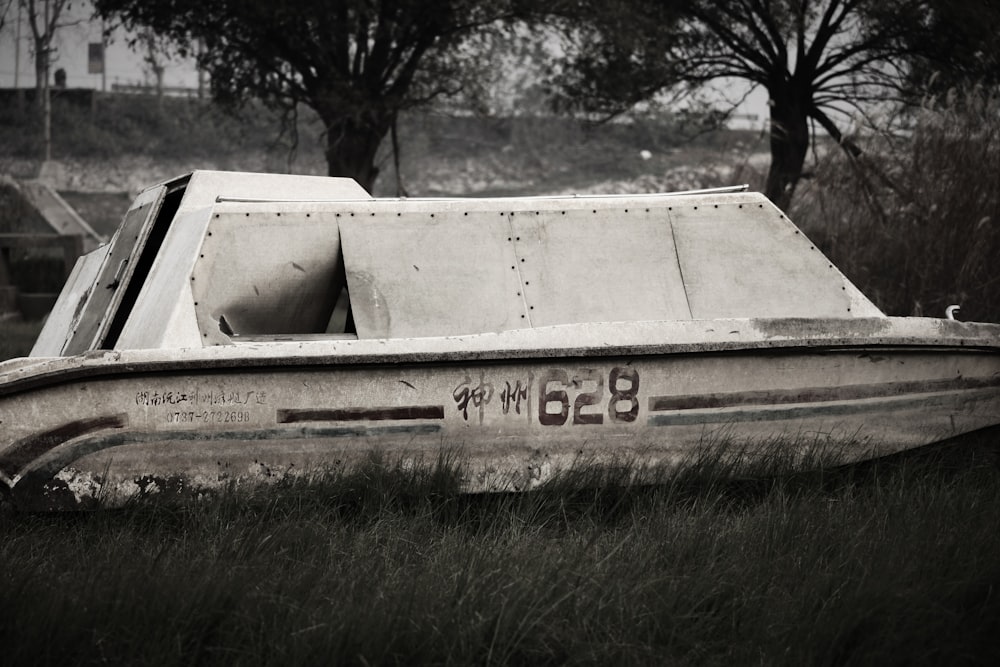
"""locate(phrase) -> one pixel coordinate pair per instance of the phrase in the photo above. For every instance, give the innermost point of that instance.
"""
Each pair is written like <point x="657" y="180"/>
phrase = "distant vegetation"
<point x="915" y="221"/>
<point x="438" y="149"/>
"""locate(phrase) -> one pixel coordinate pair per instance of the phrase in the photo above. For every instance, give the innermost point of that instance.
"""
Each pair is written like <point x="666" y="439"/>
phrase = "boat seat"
<point x="275" y="338"/>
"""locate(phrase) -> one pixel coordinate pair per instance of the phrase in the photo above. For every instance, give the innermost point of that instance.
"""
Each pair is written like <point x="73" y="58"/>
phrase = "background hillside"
<point x="119" y="144"/>
<point x="914" y="222"/>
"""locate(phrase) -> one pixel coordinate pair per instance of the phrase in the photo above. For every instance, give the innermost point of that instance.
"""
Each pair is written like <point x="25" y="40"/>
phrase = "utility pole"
<point x="17" y="47"/>
<point x="18" y="93"/>
<point x="46" y="94"/>
<point x="104" y="58"/>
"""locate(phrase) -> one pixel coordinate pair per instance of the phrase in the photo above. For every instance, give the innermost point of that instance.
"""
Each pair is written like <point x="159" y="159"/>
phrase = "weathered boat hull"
<point x="241" y="328"/>
<point x="512" y="409"/>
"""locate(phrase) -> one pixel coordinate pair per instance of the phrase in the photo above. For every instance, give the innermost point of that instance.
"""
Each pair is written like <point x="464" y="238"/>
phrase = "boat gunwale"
<point x="112" y="363"/>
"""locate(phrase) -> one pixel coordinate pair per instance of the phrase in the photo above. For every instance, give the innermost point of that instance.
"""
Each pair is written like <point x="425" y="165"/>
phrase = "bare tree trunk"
<point x="789" y="144"/>
<point x="43" y="58"/>
<point x="351" y="147"/>
<point x="46" y="120"/>
<point x="42" y="35"/>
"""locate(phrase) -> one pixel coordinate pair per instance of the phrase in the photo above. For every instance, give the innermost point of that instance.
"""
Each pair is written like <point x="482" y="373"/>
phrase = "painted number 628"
<point x="555" y="385"/>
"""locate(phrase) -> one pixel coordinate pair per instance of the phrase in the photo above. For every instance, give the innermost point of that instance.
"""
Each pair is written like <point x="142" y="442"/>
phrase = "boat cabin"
<point x="221" y="258"/>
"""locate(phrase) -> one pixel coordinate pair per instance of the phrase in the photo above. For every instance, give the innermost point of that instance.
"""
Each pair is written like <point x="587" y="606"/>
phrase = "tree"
<point x="820" y="61"/>
<point x="152" y="58"/>
<point x="356" y="63"/>
<point x="44" y="19"/>
<point x="5" y="6"/>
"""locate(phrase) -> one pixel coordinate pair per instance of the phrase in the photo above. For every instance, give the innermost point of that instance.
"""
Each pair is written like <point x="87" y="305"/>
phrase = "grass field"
<point x="894" y="563"/>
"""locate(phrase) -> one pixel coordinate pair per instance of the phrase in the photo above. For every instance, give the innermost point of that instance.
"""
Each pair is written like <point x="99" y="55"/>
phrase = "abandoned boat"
<point x="241" y="328"/>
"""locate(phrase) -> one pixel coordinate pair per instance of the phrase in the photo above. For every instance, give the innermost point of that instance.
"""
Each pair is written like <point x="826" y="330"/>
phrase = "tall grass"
<point x="916" y="221"/>
<point x="885" y="563"/>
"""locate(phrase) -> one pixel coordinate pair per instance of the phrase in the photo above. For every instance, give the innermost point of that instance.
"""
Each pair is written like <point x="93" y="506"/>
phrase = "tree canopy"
<point x="819" y="60"/>
<point x="356" y="63"/>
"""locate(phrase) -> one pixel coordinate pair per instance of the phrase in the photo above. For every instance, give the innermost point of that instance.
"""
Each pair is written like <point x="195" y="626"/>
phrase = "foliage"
<point x="817" y="61"/>
<point x="916" y="222"/>
<point x="887" y="563"/>
<point x="356" y="63"/>
<point x="960" y="41"/>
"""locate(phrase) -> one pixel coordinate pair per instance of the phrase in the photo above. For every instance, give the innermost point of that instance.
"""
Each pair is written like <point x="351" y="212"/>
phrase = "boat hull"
<point x="109" y="430"/>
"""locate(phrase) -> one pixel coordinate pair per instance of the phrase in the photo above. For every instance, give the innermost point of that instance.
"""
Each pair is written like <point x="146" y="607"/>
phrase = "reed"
<point x="915" y="222"/>
<point x="889" y="561"/>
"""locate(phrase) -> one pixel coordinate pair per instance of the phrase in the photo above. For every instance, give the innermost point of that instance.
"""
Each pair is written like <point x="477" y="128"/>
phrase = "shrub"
<point x="915" y="221"/>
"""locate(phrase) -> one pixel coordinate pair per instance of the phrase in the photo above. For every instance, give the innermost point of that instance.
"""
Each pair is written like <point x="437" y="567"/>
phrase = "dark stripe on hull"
<point x="28" y="449"/>
<point x="815" y="394"/>
<point x="294" y="416"/>
<point x="877" y="409"/>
